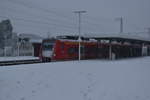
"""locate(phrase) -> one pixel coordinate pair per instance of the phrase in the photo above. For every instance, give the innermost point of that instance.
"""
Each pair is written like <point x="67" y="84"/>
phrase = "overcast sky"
<point x="56" y="16"/>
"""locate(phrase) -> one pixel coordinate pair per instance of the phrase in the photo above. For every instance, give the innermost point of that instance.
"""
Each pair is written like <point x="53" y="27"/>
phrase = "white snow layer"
<point x="73" y="80"/>
<point x="18" y="58"/>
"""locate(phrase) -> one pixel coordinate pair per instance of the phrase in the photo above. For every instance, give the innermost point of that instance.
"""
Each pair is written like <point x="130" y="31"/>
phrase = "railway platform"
<point x="5" y="61"/>
<point x="18" y="58"/>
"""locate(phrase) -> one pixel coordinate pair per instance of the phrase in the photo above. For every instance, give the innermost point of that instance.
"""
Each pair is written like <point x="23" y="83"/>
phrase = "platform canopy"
<point x="142" y="37"/>
<point x="121" y="36"/>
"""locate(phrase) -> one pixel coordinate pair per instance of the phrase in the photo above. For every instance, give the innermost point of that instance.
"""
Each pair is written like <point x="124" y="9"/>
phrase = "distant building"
<point x="32" y="41"/>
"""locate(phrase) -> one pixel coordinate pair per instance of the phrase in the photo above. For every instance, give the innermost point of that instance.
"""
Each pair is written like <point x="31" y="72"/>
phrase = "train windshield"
<point x="47" y="46"/>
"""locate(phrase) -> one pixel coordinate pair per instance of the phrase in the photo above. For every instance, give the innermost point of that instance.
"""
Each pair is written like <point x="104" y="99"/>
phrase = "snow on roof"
<point x="64" y="34"/>
<point x="92" y="40"/>
<point x="137" y="36"/>
<point x="32" y="37"/>
<point x="36" y="40"/>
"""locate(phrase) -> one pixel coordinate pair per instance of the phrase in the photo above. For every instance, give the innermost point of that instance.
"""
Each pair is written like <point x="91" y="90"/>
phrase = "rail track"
<point x="19" y="62"/>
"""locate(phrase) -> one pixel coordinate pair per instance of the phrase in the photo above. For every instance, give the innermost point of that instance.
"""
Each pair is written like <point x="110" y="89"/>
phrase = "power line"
<point x="37" y="23"/>
<point x="57" y="27"/>
<point x="87" y="24"/>
<point x="22" y="3"/>
<point x="91" y="21"/>
<point x="32" y="6"/>
<point x="49" y="19"/>
<point x="54" y="24"/>
<point x="49" y="11"/>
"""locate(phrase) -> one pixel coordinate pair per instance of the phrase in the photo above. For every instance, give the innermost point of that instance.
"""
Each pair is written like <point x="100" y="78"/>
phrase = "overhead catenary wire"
<point x="36" y="21"/>
<point x="61" y="15"/>
<point x="54" y="24"/>
<point x="44" y="18"/>
<point x="92" y="26"/>
<point x="32" y="6"/>
<point x="44" y="25"/>
<point x="86" y="24"/>
<point x="90" y="23"/>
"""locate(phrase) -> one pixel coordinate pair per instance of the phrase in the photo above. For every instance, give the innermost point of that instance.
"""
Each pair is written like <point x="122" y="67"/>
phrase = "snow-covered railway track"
<point x="19" y="62"/>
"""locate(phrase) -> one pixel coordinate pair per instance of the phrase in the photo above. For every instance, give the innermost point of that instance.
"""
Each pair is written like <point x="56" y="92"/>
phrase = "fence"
<point x="22" y="49"/>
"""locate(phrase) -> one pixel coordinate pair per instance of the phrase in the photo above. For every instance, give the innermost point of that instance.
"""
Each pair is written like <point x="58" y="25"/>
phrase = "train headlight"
<point x="54" y="54"/>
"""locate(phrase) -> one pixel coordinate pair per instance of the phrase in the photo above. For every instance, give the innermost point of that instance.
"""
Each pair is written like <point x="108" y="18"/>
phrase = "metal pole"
<point x="79" y="36"/>
<point x="121" y="23"/>
<point x="79" y="30"/>
<point x="110" y="50"/>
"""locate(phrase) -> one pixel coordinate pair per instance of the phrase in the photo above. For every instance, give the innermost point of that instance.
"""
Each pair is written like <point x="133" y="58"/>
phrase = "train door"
<point x="82" y="51"/>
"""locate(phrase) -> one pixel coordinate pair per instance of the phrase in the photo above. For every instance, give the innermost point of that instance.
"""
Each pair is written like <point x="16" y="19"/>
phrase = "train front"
<point x="47" y="50"/>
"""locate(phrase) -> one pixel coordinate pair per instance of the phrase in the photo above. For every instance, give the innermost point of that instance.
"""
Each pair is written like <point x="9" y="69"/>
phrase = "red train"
<point x="59" y="49"/>
<point x="64" y="49"/>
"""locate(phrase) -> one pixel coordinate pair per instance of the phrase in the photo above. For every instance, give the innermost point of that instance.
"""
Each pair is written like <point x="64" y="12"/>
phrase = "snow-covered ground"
<point x="73" y="80"/>
<point x="18" y="58"/>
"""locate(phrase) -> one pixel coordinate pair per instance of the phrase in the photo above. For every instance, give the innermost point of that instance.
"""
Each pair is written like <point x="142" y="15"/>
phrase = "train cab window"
<point x="47" y="46"/>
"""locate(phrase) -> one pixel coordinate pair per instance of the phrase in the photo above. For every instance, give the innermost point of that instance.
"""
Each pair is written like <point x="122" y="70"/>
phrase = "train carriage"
<point x="67" y="50"/>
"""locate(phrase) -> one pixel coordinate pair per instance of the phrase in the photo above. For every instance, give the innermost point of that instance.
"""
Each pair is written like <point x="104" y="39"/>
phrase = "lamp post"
<point x="79" y="30"/>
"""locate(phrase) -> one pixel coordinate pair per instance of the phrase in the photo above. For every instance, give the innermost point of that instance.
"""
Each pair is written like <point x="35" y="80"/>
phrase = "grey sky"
<point x="58" y="16"/>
